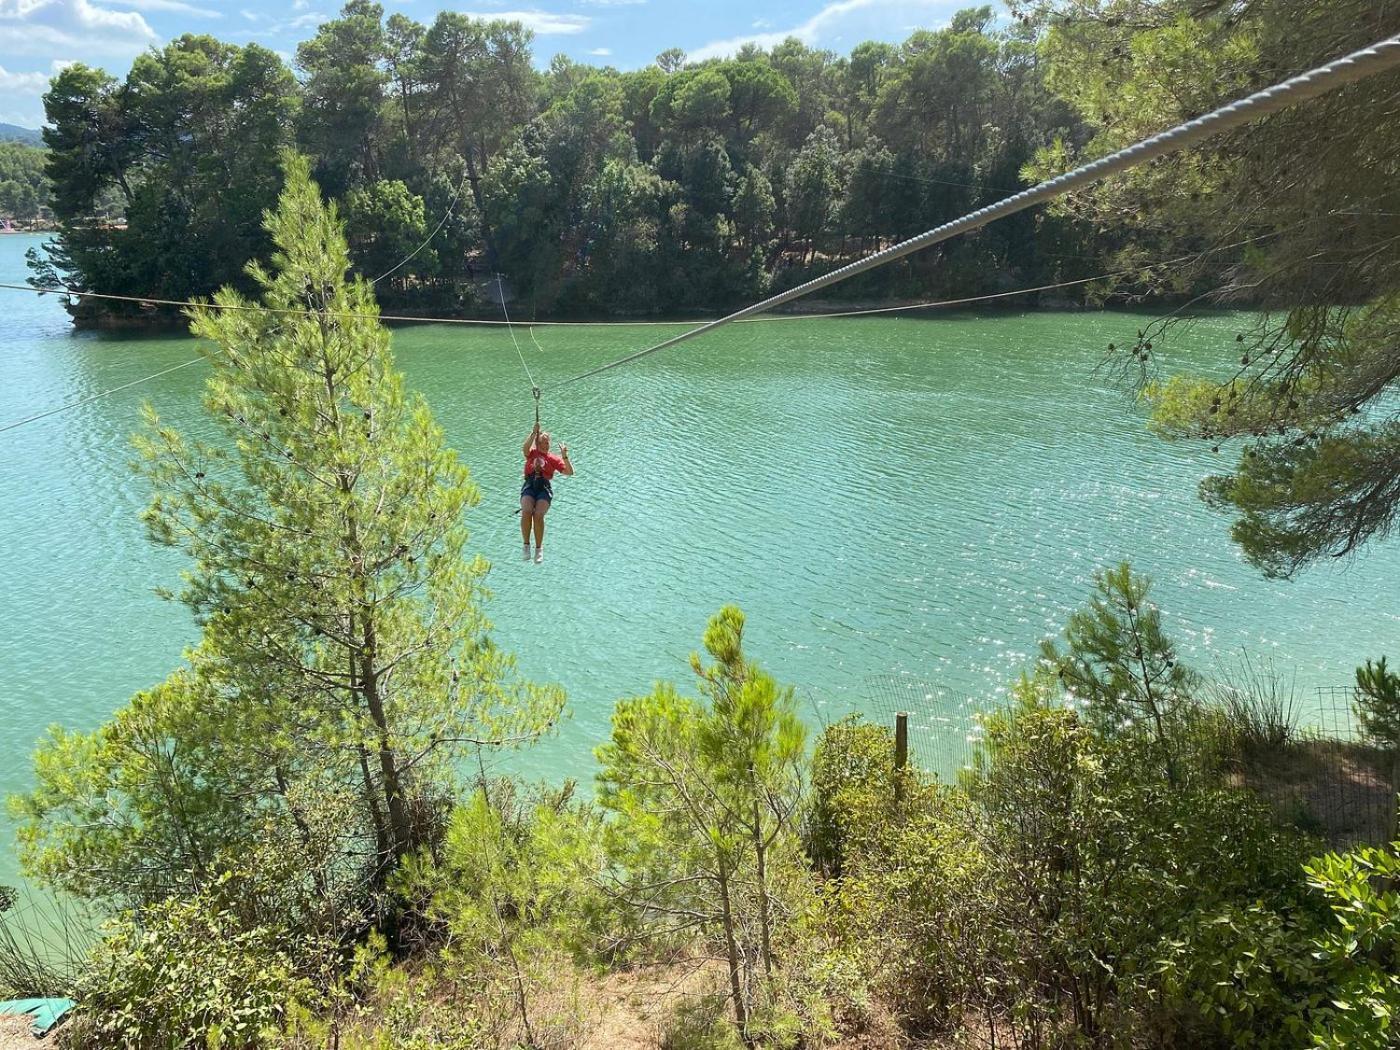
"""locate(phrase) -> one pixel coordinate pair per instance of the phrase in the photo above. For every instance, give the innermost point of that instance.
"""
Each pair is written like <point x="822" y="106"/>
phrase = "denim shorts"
<point x="537" y="488"/>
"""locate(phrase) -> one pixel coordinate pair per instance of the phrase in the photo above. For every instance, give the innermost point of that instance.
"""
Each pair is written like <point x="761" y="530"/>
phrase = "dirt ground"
<point x="15" y="1035"/>
<point x="633" y="1005"/>
<point x="1340" y="790"/>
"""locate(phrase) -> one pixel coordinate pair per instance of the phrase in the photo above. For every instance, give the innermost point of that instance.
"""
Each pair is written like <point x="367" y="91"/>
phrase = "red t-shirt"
<point x="546" y="463"/>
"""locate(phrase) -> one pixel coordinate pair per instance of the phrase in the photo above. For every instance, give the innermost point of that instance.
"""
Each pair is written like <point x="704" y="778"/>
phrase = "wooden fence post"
<point x="901" y="751"/>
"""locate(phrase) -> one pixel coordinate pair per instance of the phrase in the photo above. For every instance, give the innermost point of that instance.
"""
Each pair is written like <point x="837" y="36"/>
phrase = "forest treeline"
<point x="679" y="186"/>
<point x="24" y="187"/>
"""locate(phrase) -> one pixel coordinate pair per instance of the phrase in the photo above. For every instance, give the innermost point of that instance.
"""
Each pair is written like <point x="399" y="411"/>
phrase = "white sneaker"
<point x="527" y="552"/>
<point x="539" y="556"/>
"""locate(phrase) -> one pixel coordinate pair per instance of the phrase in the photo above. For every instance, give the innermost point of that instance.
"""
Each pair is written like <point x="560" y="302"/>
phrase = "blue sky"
<point x="38" y="37"/>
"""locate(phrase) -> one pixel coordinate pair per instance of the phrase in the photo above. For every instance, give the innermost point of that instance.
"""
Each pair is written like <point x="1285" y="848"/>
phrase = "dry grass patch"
<point x="1339" y="789"/>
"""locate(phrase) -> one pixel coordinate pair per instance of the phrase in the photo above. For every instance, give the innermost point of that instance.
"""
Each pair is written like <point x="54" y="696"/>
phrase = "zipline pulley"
<point x="536" y="391"/>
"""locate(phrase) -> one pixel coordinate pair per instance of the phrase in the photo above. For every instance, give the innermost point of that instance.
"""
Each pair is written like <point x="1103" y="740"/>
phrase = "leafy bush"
<point x="904" y="900"/>
<point x="699" y="1024"/>
<point x="394" y="1008"/>
<point x="1324" y="972"/>
<point x="187" y="973"/>
<point x="1097" y="862"/>
<point x="1361" y="949"/>
<point x="1245" y="975"/>
<point x="853" y="761"/>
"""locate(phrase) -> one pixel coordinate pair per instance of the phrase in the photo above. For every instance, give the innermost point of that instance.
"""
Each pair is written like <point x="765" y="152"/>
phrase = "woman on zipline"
<point x="536" y="494"/>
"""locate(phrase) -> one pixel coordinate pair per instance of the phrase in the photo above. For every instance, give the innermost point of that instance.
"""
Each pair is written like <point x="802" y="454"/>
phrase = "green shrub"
<point x="1324" y="972"/>
<point x="1361" y="949"/>
<point x="187" y="973"/>
<point x="514" y="899"/>
<point x="900" y="907"/>
<point x="853" y="762"/>
<point x="1098" y="861"/>
<point x="1244" y="976"/>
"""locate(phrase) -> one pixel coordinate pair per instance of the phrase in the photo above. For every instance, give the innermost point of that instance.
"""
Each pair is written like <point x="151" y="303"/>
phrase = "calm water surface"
<point x="894" y="495"/>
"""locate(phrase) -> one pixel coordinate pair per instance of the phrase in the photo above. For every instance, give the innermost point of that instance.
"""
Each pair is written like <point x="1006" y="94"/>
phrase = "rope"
<point x="530" y="326"/>
<point x="754" y="320"/>
<point x="436" y="230"/>
<point x="94" y="397"/>
<point x="534" y="387"/>
<point x="1377" y="58"/>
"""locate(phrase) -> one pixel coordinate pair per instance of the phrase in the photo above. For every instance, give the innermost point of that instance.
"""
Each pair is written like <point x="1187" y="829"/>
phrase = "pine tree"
<point x="1121" y="663"/>
<point x="345" y="661"/>
<point x="702" y="797"/>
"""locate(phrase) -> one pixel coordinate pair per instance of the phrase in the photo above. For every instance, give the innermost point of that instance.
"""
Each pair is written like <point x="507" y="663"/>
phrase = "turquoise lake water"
<point x="921" y="497"/>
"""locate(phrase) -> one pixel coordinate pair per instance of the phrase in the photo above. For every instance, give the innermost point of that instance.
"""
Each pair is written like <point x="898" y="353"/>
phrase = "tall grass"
<point x="43" y="945"/>
<point x="1260" y="704"/>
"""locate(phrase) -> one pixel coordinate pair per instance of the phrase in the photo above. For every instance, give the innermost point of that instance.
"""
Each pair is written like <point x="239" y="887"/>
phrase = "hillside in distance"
<point x="15" y="133"/>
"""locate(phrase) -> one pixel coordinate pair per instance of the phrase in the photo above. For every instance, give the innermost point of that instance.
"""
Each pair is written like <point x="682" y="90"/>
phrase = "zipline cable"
<point x="1381" y="56"/>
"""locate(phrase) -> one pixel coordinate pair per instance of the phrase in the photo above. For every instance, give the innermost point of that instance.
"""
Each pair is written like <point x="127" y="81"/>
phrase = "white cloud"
<point x="843" y="19"/>
<point x="601" y="52"/>
<point x="27" y="83"/>
<point x="307" y="21"/>
<point x="611" y="3"/>
<point x="543" y="23"/>
<point x="41" y="27"/>
<point x="172" y="6"/>
<point x="21" y="95"/>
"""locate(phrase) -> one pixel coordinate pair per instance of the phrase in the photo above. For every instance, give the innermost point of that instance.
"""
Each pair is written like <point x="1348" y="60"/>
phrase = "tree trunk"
<point x="731" y="946"/>
<point x="376" y="814"/>
<point x="400" y="827"/>
<point x="407" y="121"/>
<point x="764" y="926"/>
<point x="488" y="235"/>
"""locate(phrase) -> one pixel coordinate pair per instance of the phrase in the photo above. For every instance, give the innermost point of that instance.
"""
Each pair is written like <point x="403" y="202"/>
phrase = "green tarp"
<point x="42" y="1013"/>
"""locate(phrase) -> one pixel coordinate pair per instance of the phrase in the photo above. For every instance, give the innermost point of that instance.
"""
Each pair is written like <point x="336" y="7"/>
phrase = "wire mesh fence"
<point x="1328" y="777"/>
<point x="1308" y="756"/>
<point x="943" y="726"/>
